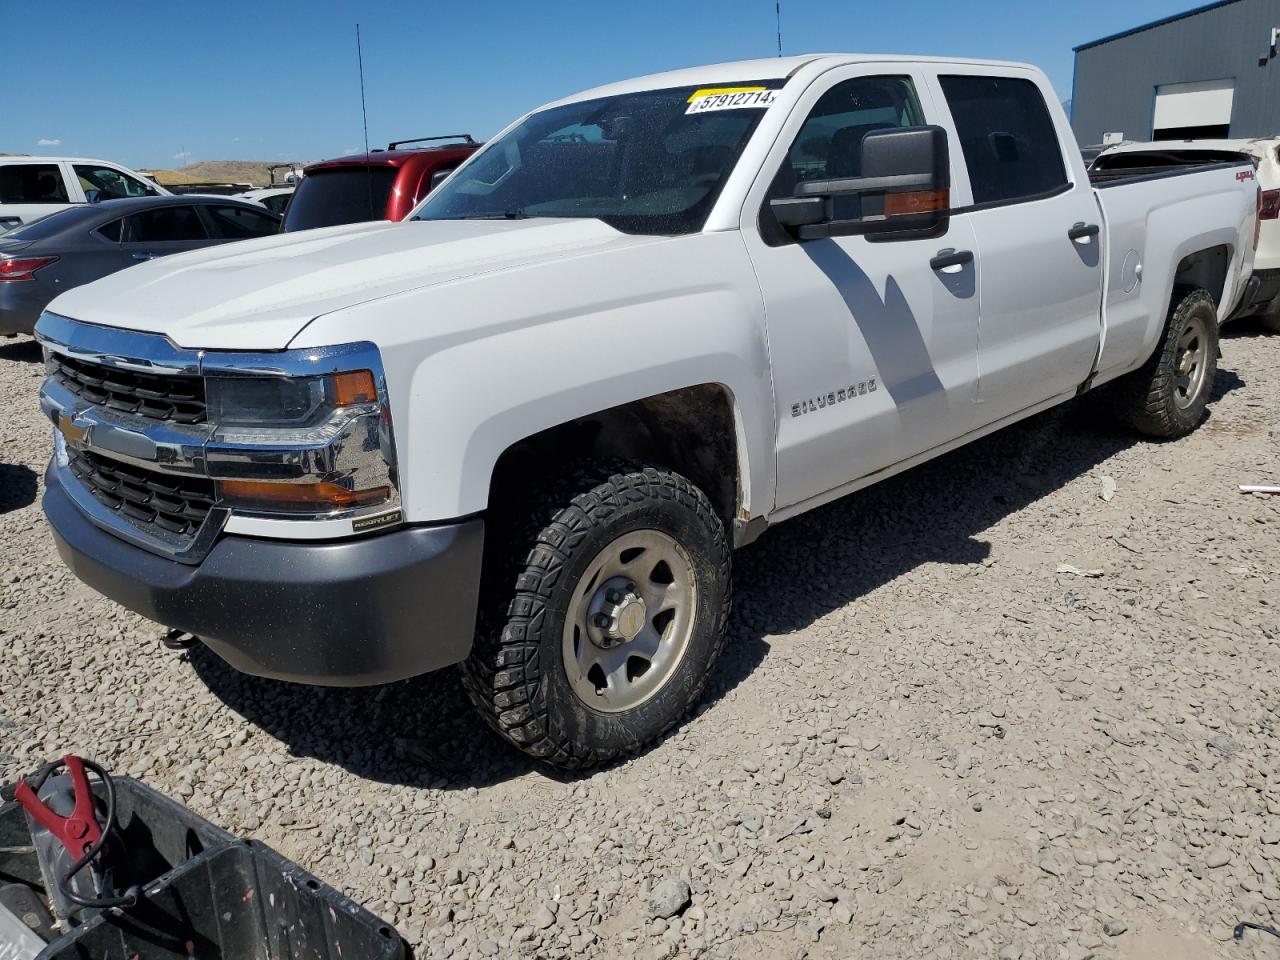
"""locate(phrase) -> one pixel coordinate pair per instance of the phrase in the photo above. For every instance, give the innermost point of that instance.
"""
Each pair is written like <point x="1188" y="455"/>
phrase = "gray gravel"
<point x="1021" y="702"/>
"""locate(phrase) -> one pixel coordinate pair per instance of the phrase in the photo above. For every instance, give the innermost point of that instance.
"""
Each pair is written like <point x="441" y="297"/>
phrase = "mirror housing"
<point x="904" y="190"/>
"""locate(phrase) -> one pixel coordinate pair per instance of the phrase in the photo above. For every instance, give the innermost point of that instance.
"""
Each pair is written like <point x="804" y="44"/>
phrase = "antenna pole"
<point x="777" y="9"/>
<point x="364" y="113"/>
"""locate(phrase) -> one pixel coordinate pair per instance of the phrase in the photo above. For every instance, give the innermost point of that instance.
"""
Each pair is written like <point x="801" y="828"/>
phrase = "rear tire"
<point x="1270" y="322"/>
<point x="1168" y="395"/>
<point x="604" y="616"/>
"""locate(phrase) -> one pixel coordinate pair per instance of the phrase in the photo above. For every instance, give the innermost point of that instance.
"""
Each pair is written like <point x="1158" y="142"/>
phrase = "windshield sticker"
<point x="731" y="98"/>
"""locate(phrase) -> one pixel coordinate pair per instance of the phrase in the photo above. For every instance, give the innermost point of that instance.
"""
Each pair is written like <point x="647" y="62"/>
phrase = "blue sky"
<point x="277" y="81"/>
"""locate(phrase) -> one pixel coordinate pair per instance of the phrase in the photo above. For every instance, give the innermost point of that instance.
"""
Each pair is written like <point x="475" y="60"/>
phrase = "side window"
<point x="166" y="225"/>
<point x="239" y="223"/>
<point x="277" y="203"/>
<point x="1009" y="142"/>
<point x="112" y="231"/>
<point x="105" y="183"/>
<point x="829" y="145"/>
<point x="32" y="183"/>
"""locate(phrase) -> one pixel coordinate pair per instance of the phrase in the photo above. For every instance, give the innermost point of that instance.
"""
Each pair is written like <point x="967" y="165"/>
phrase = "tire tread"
<point x="503" y="675"/>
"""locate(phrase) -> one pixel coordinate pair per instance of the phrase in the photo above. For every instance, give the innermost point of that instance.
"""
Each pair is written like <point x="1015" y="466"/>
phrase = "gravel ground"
<point x="1018" y="703"/>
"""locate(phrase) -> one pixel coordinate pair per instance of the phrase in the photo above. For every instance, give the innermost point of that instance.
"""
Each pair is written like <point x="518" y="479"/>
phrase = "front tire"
<point x="1168" y="395"/>
<point x="1270" y="322"/>
<point x="604" y="624"/>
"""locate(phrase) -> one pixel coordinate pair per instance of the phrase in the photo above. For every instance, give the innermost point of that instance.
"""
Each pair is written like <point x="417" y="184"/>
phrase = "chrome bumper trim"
<point x="191" y="450"/>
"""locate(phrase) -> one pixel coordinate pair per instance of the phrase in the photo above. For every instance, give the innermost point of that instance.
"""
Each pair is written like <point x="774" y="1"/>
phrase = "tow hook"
<point x="176" y="639"/>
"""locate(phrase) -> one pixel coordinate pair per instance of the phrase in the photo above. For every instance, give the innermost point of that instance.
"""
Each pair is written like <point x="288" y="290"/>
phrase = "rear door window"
<point x="165" y="225"/>
<point x="1010" y="145"/>
<point x="32" y="183"/>
<point x="327" y="198"/>
<point x="240" y="223"/>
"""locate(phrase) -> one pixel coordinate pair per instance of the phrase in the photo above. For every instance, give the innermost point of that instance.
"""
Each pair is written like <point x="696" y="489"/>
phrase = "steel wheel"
<point x="629" y="621"/>
<point x="1191" y="364"/>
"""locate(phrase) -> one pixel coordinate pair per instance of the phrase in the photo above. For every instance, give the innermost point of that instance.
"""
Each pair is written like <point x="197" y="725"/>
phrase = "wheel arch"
<point x="697" y="431"/>
<point x="1204" y="269"/>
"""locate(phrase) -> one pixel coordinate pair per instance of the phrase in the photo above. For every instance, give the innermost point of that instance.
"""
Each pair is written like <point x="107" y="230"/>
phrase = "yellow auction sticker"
<point x="730" y="98"/>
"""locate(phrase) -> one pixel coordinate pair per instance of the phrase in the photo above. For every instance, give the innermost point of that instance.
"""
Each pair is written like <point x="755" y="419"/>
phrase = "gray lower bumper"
<point x="1262" y="296"/>
<point x="346" y="613"/>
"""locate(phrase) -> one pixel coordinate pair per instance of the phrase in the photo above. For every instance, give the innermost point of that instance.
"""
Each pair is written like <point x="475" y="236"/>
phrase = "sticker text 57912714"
<point x="731" y="98"/>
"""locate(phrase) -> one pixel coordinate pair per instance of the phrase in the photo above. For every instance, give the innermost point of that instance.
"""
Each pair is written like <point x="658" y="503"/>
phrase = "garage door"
<point x="1193" y="111"/>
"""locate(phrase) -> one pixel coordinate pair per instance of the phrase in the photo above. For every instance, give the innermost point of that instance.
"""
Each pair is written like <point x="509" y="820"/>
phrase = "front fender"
<point x="476" y="365"/>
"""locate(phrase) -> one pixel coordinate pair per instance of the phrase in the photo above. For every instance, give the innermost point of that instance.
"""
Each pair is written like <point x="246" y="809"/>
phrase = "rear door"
<point x="28" y="191"/>
<point x="873" y="342"/>
<point x="1038" y="233"/>
<point x="160" y="231"/>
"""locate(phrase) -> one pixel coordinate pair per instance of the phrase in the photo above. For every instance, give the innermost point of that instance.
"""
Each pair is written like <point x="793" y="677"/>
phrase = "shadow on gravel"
<point x="419" y="733"/>
<point x="423" y="732"/>
<point x="935" y="513"/>
<point x="18" y="486"/>
<point x="25" y="351"/>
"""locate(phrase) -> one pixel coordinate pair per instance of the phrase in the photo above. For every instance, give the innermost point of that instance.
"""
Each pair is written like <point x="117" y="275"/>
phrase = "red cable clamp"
<point x="77" y="832"/>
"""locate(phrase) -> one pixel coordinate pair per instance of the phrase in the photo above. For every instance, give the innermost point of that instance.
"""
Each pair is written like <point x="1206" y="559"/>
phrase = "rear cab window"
<point x="32" y="183"/>
<point x="327" y="198"/>
<point x="1008" y="138"/>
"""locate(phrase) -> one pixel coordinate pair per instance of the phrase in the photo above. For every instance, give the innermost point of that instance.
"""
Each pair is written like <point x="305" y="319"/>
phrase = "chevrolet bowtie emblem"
<point x="75" y="430"/>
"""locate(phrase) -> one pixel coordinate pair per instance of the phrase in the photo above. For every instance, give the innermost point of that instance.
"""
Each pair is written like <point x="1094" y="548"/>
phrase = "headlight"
<point x="315" y="446"/>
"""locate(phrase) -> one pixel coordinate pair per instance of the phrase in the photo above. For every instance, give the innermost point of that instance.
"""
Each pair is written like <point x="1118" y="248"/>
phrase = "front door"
<point x="873" y="345"/>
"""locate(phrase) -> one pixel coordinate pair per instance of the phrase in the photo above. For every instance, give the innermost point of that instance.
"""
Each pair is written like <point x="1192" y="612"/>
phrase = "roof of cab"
<point x="774" y="68"/>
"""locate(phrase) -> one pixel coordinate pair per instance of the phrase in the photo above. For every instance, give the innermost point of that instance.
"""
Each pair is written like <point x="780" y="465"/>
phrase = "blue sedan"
<point x="77" y="245"/>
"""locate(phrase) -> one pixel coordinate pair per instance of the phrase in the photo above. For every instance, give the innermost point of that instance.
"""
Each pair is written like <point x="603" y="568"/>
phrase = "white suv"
<point x="31" y="187"/>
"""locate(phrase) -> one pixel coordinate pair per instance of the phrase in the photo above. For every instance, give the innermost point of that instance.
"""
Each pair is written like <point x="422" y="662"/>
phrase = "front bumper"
<point x="340" y="613"/>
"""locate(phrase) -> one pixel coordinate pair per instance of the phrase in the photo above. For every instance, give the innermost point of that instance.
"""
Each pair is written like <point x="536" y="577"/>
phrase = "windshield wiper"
<point x="509" y="215"/>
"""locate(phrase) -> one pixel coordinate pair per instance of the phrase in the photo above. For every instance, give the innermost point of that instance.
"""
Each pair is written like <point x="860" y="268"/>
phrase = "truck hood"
<point x="259" y="294"/>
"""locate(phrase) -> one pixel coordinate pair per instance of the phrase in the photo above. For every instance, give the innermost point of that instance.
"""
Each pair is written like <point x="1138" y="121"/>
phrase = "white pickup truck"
<point x="523" y="430"/>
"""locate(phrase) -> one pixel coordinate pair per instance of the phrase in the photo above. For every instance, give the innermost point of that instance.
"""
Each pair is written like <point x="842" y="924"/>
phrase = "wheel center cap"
<point x="629" y="618"/>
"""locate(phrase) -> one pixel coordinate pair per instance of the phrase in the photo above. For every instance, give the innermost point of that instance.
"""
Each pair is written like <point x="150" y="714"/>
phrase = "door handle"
<point x="951" y="257"/>
<point x="1083" y="231"/>
<point x="144" y="256"/>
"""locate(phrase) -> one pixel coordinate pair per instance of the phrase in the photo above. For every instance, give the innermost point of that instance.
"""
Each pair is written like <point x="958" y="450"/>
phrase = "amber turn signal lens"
<point x="308" y="495"/>
<point x="354" y="387"/>
<point x="920" y="201"/>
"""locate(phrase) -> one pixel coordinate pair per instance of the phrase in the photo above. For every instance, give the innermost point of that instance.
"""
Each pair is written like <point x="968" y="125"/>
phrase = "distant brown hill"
<point x="219" y="171"/>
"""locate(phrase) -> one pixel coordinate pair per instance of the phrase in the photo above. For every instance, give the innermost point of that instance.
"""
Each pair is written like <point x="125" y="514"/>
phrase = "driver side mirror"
<point x="904" y="191"/>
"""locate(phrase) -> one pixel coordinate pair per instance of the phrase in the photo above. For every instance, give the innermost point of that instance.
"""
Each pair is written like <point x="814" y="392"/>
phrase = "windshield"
<point x="327" y="198"/>
<point x="651" y="162"/>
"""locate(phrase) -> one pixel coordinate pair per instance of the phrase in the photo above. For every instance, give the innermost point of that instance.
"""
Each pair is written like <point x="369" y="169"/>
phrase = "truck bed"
<point x="1103" y="179"/>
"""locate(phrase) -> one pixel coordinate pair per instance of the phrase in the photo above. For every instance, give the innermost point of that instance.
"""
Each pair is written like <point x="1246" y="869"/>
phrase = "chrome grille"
<point x="160" y="501"/>
<point x="177" y="399"/>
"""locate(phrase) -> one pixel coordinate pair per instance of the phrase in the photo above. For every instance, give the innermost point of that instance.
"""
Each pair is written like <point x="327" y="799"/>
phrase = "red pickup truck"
<point x="379" y="185"/>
